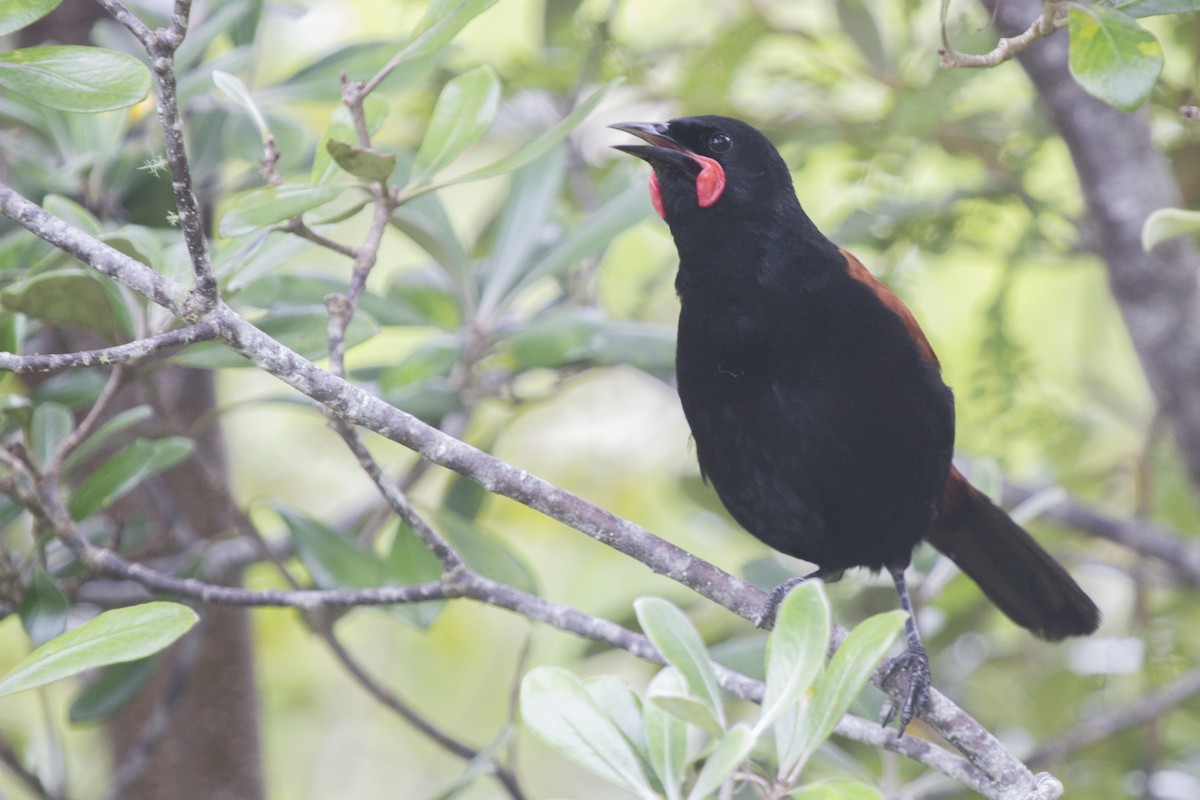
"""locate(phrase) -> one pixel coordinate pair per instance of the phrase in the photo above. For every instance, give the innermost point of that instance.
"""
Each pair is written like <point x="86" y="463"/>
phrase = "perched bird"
<point x="816" y="402"/>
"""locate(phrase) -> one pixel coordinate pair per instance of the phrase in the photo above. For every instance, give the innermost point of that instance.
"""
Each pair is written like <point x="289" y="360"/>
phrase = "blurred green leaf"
<point x="837" y="789"/>
<point x="102" y="435"/>
<point x="434" y="357"/>
<point x="112" y="690"/>
<point x="43" y="609"/>
<point x="50" y="425"/>
<point x="361" y="162"/>
<point x="70" y="78"/>
<point x="530" y="201"/>
<point x="676" y="638"/>
<point x="463" y="113"/>
<point x="464" y="497"/>
<point x="341" y="129"/>
<point x="795" y="650"/>
<point x="423" y="219"/>
<point x="621" y="705"/>
<point x="442" y="21"/>
<point x="1113" y="57"/>
<point x="666" y="734"/>
<point x="123" y="634"/>
<point x="725" y="758"/>
<point x="858" y="22"/>
<point x="584" y="336"/>
<point x="321" y="80"/>
<point x="711" y="67"/>
<point x="486" y="553"/>
<point x="72" y="298"/>
<point x="592" y="236"/>
<point x="123" y="472"/>
<point x="16" y="14"/>
<point x="268" y="205"/>
<point x="332" y="560"/>
<point x="236" y="91"/>
<point x="842" y="682"/>
<point x="409" y="562"/>
<point x="1167" y="223"/>
<point x="689" y="709"/>
<point x="559" y="709"/>
<point x="538" y="147"/>
<point x="1150" y="8"/>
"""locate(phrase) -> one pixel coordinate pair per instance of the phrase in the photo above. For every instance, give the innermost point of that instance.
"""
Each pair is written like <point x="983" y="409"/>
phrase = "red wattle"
<point x="656" y="195"/>
<point x="710" y="183"/>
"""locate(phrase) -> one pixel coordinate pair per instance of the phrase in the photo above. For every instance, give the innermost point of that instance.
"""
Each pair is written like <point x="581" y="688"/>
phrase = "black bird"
<point x="816" y="402"/>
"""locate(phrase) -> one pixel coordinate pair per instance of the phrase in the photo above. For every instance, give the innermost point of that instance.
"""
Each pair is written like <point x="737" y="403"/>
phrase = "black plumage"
<point x="816" y="403"/>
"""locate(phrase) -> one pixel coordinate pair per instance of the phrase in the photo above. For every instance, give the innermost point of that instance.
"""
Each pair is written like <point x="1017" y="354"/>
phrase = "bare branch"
<point x="1103" y="726"/>
<point x="129" y="21"/>
<point x="1007" y="47"/>
<point x="129" y="353"/>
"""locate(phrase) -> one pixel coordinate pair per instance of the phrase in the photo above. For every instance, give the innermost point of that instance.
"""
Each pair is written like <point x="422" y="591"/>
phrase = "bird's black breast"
<point x="816" y="419"/>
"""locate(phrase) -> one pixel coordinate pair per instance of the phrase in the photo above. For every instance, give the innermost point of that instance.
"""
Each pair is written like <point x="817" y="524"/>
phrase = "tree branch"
<point x="1011" y="778"/>
<point x="129" y="353"/>
<point x="1124" y="178"/>
<point x="1008" y="47"/>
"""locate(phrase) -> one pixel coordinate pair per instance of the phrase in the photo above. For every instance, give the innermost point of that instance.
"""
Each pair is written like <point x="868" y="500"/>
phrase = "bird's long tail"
<point x="1016" y="574"/>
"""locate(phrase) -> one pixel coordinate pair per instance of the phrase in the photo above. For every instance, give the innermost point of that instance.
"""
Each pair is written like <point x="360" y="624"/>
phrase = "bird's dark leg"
<point x="766" y="619"/>
<point x="913" y="659"/>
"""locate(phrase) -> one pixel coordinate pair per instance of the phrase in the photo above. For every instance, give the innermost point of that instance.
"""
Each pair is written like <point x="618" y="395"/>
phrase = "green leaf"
<point x="592" y="236"/>
<point x="530" y="201"/>
<point x="837" y="789"/>
<point x="113" y="689"/>
<point x="441" y="23"/>
<point x="320" y="80"/>
<point x="361" y="162"/>
<point x="844" y="678"/>
<point x="621" y="705"/>
<point x="236" y="91"/>
<point x="464" y="111"/>
<point x="423" y="219"/>
<point x="1113" y="57"/>
<point x="795" y="650"/>
<point x="666" y="734"/>
<point x="857" y="22"/>
<point x="1150" y="8"/>
<point x="687" y="708"/>
<point x="1167" y="223"/>
<point x="341" y="129"/>
<point x="16" y="14"/>
<point x="113" y="426"/>
<point x="50" y="425"/>
<point x="123" y="634"/>
<point x="560" y="711"/>
<point x="726" y="757"/>
<point x="585" y="336"/>
<point x="538" y="147"/>
<point x="70" y="78"/>
<point x="72" y="213"/>
<point x="332" y="560"/>
<point x="43" y="609"/>
<point x="409" y="562"/>
<point x="123" y="472"/>
<point x="675" y="637"/>
<point x="268" y="205"/>
<point x="485" y="553"/>
<point x="72" y="298"/>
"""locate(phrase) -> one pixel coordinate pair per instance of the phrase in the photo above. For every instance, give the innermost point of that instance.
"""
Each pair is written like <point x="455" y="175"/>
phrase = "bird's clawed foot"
<point x="766" y="619"/>
<point x="915" y="662"/>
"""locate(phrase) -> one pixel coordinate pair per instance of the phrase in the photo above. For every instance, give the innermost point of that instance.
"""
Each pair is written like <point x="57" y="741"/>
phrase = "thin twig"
<point x="129" y="353"/>
<point x="1105" y="725"/>
<point x="1006" y="48"/>
<point x="297" y="226"/>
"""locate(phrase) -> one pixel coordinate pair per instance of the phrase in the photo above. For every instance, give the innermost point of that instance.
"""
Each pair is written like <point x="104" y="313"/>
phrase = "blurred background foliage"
<point x="950" y="185"/>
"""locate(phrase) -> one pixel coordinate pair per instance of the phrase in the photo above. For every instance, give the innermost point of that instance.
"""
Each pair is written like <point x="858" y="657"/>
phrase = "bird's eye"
<point x="719" y="143"/>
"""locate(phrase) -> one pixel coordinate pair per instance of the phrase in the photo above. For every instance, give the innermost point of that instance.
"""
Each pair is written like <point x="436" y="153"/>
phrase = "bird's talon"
<point x="916" y="664"/>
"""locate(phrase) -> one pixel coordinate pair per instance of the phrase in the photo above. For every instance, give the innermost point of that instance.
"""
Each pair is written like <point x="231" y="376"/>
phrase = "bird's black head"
<point x="710" y="167"/>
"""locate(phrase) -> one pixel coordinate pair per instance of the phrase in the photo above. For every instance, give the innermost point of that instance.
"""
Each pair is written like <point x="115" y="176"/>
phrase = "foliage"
<point x="512" y="284"/>
<point x="649" y="747"/>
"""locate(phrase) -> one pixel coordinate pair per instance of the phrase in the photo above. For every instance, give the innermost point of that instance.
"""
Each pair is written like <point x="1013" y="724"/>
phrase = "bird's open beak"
<point x="663" y="150"/>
